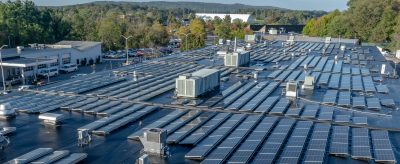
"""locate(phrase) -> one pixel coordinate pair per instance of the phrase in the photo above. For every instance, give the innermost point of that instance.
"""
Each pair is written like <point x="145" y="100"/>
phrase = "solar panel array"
<point x="269" y="151"/>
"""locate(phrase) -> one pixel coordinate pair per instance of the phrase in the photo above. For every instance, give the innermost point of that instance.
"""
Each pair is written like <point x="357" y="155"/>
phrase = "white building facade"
<point x="209" y="16"/>
<point x="25" y="63"/>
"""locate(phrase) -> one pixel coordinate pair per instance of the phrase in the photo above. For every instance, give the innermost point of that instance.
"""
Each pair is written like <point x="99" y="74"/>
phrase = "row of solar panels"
<point x="238" y="138"/>
<point x="131" y="89"/>
<point x="48" y="155"/>
<point x="119" y="119"/>
<point x="39" y="103"/>
<point x="84" y="83"/>
<point x="345" y="99"/>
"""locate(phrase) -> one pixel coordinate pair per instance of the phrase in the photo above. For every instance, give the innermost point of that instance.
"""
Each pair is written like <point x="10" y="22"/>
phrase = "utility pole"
<point x="2" y="70"/>
<point x="186" y="35"/>
<point x="126" y="47"/>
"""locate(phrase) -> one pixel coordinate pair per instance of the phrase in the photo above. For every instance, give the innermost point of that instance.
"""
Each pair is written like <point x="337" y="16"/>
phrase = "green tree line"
<point x="375" y="21"/>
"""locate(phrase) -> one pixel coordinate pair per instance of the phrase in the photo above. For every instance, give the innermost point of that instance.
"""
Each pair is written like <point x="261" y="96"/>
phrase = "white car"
<point x="48" y="72"/>
<point x="69" y="68"/>
<point x="78" y="75"/>
<point x="23" y="87"/>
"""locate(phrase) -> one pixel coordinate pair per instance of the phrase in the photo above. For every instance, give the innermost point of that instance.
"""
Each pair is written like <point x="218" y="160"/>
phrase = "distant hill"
<point x="195" y="6"/>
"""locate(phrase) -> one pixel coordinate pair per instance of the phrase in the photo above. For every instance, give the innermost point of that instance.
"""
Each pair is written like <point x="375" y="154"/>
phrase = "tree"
<point x="192" y="36"/>
<point x="110" y="32"/>
<point x="223" y="30"/>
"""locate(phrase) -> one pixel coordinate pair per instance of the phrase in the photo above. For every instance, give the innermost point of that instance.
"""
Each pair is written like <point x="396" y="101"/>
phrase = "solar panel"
<point x="382" y="89"/>
<point x="267" y="104"/>
<point x="326" y="114"/>
<point x="373" y="104"/>
<point x="235" y="95"/>
<point x="269" y="150"/>
<point x="382" y="148"/>
<point x="342" y="118"/>
<point x="360" y="120"/>
<point x="338" y="67"/>
<point x="346" y="70"/>
<point x="324" y="79"/>
<point x="330" y="97"/>
<point x="315" y="152"/>
<point x="185" y="130"/>
<point x="275" y="74"/>
<point x="159" y="123"/>
<point x="355" y="71"/>
<point x="260" y="97"/>
<point x="283" y="75"/>
<point x="229" y="144"/>
<point x="359" y="102"/>
<point x="365" y="72"/>
<point x="310" y="111"/>
<point x="321" y="64"/>
<point x="344" y="99"/>
<point x="357" y="84"/>
<point x="388" y="103"/>
<point x="248" y="148"/>
<point x="360" y="144"/>
<point x="293" y="75"/>
<point x="345" y="82"/>
<point x="329" y="65"/>
<point x="296" y="142"/>
<point x="334" y="81"/>
<point x="314" y="62"/>
<point x="340" y="141"/>
<point x="369" y="84"/>
<point x="242" y="100"/>
<point x="212" y="140"/>
<point x="293" y="112"/>
<point x="280" y="107"/>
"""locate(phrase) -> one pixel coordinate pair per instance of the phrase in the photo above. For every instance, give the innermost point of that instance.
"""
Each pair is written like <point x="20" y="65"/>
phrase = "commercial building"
<point x="210" y="16"/>
<point x="25" y="62"/>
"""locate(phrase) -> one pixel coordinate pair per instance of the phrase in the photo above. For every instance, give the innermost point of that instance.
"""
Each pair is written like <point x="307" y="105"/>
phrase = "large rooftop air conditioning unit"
<point x="155" y="141"/>
<point x="197" y="83"/>
<point x="237" y="59"/>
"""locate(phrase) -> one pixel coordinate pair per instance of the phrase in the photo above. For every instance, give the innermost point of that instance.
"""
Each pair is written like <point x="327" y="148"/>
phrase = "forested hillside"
<point x="375" y="21"/>
<point x="150" y="24"/>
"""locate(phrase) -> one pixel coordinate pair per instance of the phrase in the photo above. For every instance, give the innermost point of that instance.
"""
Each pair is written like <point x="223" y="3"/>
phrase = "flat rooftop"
<point x="351" y="115"/>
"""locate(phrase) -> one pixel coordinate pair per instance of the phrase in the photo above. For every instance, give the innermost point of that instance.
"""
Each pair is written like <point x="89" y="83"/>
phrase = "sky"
<point x="327" y="5"/>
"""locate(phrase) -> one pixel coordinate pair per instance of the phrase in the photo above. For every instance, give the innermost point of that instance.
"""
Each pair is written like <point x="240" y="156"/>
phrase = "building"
<point x="278" y="29"/>
<point x="23" y="63"/>
<point x="210" y="16"/>
<point x="398" y="54"/>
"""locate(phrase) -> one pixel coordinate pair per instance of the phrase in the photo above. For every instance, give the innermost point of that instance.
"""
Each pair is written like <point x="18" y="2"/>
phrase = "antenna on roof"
<point x="235" y="48"/>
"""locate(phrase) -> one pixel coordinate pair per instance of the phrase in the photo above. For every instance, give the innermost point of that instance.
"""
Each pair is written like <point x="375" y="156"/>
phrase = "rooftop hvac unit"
<point x="309" y="83"/>
<point x="144" y="159"/>
<point x="291" y="89"/>
<point x="84" y="137"/>
<point x="237" y="59"/>
<point x="383" y="69"/>
<point x="198" y="83"/>
<point x="155" y="141"/>
<point x="328" y="40"/>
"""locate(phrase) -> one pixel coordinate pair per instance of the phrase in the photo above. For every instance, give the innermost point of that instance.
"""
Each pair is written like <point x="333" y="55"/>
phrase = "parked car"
<point x="24" y="87"/>
<point x="48" y="72"/>
<point x="68" y="68"/>
<point x="78" y="75"/>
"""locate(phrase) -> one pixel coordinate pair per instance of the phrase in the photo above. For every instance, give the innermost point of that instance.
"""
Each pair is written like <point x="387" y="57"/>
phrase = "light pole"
<point x="2" y="70"/>
<point x="186" y="35"/>
<point x="126" y="47"/>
